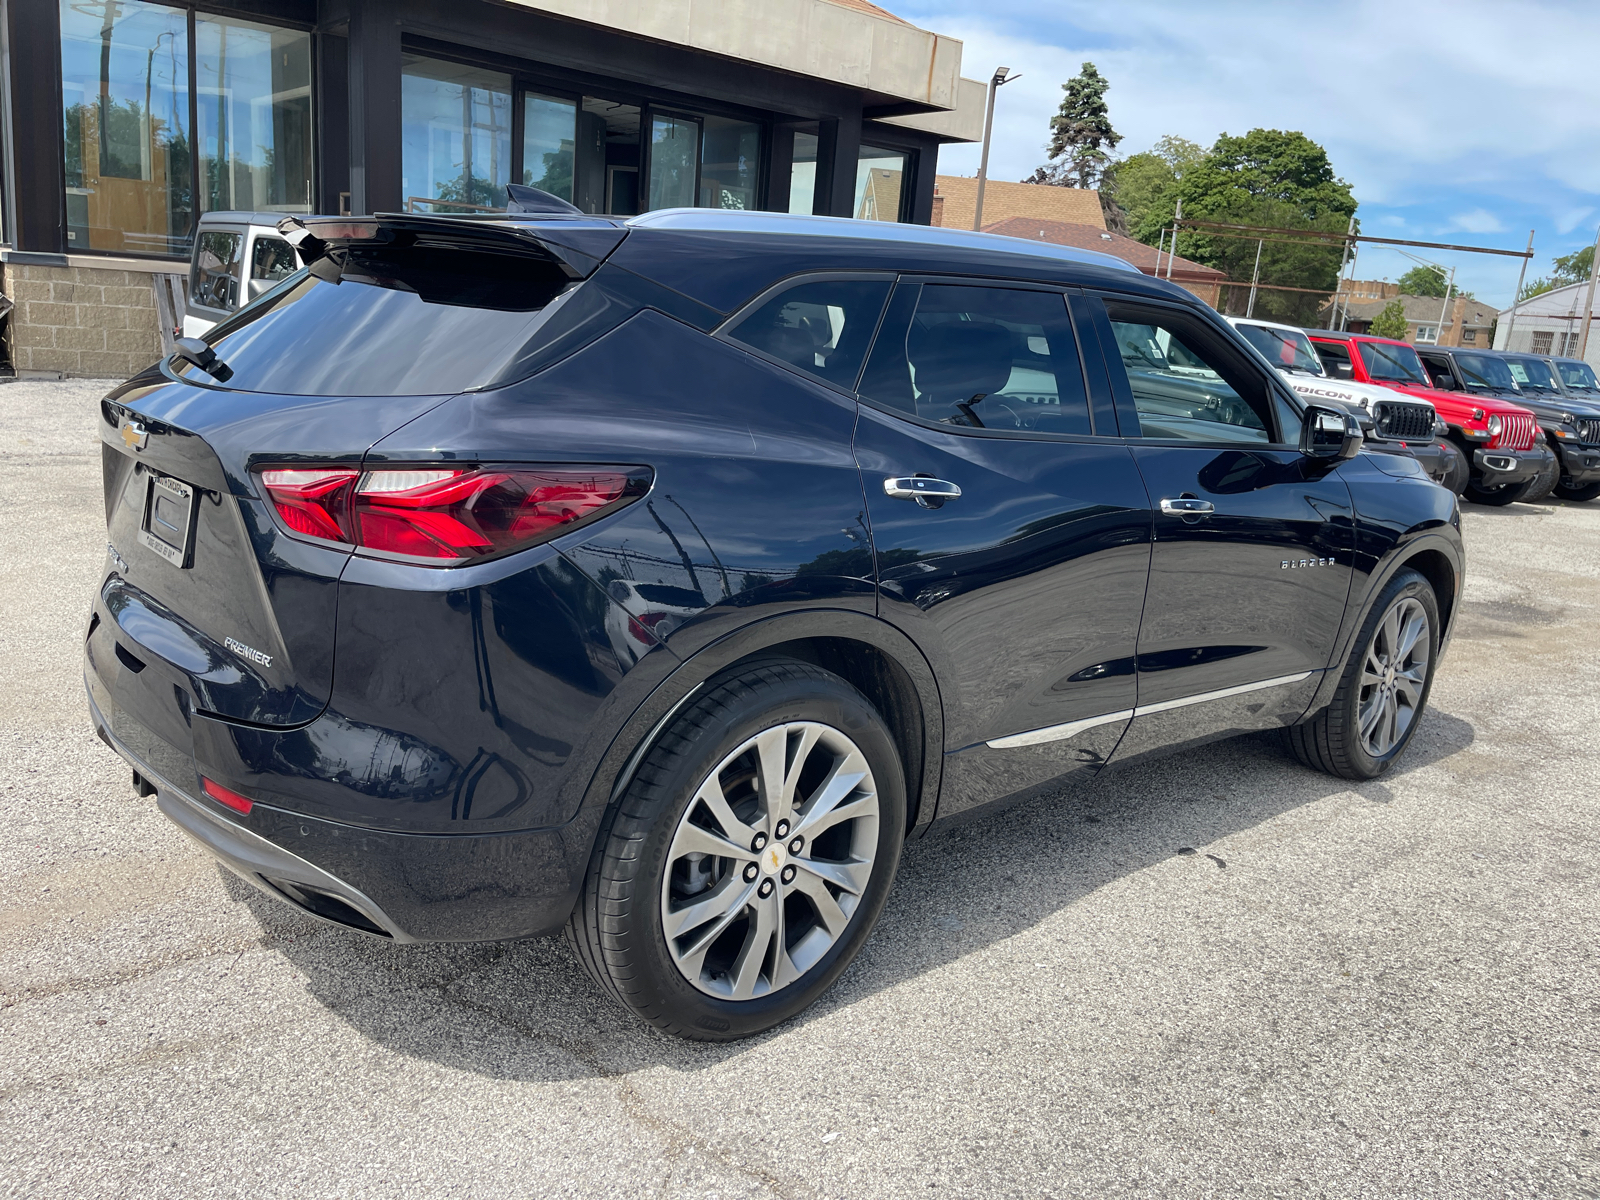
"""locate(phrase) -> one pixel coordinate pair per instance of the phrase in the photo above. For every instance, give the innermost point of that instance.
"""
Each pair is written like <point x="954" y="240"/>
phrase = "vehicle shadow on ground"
<point x="527" y="1011"/>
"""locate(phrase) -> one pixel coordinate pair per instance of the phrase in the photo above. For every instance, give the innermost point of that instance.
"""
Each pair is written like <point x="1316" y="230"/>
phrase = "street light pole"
<point x="1516" y="298"/>
<point x="1002" y="76"/>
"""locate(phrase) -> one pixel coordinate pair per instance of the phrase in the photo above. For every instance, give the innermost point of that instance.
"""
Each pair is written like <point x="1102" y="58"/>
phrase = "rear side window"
<point x="272" y="260"/>
<point x="214" y="278"/>
<point x="980" y="357"/>
<point x="386" y="321"/>
<point x="1335" y="360"/>
<point x="823" y="327"/>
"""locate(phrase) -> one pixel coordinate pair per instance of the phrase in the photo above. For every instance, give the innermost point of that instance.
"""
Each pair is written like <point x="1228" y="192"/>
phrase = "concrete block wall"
<point x="77" y="320"/>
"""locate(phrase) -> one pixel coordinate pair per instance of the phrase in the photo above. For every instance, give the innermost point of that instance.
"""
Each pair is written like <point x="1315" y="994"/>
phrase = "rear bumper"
<point x="394" y="886"/>
<point x="1492" y="468"/>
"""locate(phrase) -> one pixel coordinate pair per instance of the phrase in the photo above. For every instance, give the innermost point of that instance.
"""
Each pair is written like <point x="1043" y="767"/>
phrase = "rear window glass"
<point x="386" y="322"/>
<point x="822" y="327"/>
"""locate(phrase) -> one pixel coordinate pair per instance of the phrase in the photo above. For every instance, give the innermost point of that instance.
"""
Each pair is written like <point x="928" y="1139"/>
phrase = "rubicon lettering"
<point x="249" y="652"/>
<point x="1294" y="564"/>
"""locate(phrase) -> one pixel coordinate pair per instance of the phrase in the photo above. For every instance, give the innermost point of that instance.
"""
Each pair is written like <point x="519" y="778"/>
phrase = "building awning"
<point x="911" y="74"/>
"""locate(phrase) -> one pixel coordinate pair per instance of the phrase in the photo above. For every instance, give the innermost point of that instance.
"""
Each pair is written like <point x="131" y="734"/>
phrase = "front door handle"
<point x="926" y="491"/>
<point x="1187" y="506"/>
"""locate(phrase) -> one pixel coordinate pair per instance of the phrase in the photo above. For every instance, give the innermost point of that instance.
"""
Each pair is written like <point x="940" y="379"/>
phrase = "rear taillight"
<point x="447" y="514"/>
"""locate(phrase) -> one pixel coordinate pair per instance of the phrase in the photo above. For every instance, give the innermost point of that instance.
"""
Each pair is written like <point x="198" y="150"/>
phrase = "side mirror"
<point x="1329" y="435"/>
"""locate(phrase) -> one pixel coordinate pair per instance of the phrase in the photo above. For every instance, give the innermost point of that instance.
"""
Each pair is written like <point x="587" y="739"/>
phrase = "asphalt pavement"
<point x="1220" y="975"/>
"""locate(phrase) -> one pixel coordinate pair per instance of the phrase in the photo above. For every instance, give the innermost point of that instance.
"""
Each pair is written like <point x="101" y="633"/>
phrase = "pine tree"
<point x="1081" y="136"/>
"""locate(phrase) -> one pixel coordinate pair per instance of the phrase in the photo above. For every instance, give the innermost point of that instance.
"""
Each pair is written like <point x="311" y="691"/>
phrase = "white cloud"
<point x="1477" y="221"/>
<point x="1568" y="221"/>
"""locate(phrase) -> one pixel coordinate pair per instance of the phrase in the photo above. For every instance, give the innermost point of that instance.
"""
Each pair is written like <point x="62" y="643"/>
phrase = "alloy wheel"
<point x="770" y="860"/>
<point x="1393" y="676"/>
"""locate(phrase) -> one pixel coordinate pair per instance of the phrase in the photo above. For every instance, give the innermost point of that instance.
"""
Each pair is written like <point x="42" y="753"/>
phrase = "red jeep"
<point x="1500" y="440"/>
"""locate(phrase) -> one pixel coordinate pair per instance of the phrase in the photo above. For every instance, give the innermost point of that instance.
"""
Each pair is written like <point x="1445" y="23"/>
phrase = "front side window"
<point x="253" y="102"/>
<point x="214" y="277"/>
<point x="455" y="131"/>
<point x="1184" y="385"/>
<point x="1335" y="359"/>
<point x="1485" y="374"/>
<point x="126" y="127"/>
<point x="980" y="358"/>
<point x="823" y="327"/>
<point x="1387" y="363"/>
<point x="1287" y="348"/>
<point x="880" y="184"/>
<point x="272" y="260"/>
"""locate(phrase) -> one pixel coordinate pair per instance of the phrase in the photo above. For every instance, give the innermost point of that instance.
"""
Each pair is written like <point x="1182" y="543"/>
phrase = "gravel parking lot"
<point x="1218" y="975"/>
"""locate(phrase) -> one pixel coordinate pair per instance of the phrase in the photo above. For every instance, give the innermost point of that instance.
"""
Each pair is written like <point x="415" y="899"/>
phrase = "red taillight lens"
<point x="311" y="502"/>
<point x="447" y="514"/>
<point x="226" y="796"/>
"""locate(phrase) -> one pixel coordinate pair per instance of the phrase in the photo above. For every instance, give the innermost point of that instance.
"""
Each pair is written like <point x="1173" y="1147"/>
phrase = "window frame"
<point x="1093" y="389"/>
<point x="723" y="332"/>
<point x="1277" y="395"/>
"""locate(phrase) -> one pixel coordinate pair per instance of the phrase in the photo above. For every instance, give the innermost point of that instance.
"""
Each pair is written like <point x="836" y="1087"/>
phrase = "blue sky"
<point x="1467" y="122"/>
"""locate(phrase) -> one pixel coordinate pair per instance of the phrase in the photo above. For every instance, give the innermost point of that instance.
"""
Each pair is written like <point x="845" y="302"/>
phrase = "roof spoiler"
<point x="575" y="243"/>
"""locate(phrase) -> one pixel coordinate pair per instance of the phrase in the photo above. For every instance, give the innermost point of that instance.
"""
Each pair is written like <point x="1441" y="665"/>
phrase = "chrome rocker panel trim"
<point x="1056" y="733"/>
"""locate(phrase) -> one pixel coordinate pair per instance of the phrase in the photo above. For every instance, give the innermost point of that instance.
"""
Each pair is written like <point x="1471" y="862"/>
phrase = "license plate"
<point x="169" y="519"/>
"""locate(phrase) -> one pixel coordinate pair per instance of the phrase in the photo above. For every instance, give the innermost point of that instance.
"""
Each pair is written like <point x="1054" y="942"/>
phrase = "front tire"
<point x="749" y="858"/>
<point x="1499" y="497"/>
<point x="1545" y="481"/>
<point x="1383" y="689"/>
<point x="1587" y="491"/>
<point x="1457" y="470"/>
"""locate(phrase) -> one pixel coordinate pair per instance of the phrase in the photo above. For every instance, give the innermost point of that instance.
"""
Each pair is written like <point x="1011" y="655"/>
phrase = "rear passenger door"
<point x="1025" y="590"/>
<point x="1252" y="559"/>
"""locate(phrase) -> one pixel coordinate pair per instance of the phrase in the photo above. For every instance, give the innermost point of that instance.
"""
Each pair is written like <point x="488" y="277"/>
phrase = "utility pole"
<point x="1250" y="307"/>
<point x="1173" y="253"/>
<point x="1444" y="316"/>
<point x="1002" y="76"/>
<point x="1516" y="298"/>
<point x="1588" y="305"/>
<point x="1344" y="259"/>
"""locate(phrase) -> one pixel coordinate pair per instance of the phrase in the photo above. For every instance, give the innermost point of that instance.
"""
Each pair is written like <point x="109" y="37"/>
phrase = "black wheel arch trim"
<point x="671" y="682"/>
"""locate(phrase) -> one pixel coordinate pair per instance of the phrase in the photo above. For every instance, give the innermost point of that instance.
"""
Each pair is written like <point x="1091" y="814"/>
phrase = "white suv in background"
<point x="1387" y="415"/>
<point x="236" y="257"/>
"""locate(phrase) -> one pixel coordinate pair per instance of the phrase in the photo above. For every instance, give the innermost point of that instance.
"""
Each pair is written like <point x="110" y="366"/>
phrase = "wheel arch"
<point x="874" y="657"/>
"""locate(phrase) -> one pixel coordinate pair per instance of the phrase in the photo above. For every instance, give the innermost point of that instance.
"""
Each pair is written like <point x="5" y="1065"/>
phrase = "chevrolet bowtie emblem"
<point x="134" y="435"/>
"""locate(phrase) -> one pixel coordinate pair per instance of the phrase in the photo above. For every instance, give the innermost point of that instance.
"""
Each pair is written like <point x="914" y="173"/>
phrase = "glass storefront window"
<point x="880" y="183"/>
<point x="253" y="107"/>
<point x="549" y="133"/>
<point x="455" y="135"/>
<point x="125" y="109"/>
<point x="730" y="160"/>
<point x="674" y="153"/>
<point x="803" y="175"/>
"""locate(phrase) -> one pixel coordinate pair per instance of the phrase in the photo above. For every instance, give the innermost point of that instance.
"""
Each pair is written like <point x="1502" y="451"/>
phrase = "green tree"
<point x="1422" y="281"/>
<point x="1573" y="268"/>
<point x="1137" y="191"/>
<point x="1537" y="287"/>
<point x="1391" y="322"/>
<point x="1081" y="136"/>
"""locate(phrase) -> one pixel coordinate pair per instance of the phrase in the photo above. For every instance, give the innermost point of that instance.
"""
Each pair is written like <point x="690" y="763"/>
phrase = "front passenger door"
<point x="1252" y="560"/>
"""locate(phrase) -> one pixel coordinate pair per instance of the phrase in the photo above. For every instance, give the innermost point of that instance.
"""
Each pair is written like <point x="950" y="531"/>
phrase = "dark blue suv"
<point x="656" y="579"/>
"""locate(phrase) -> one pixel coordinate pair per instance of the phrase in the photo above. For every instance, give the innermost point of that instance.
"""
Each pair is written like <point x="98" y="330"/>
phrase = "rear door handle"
<point x="929" y="493"/>
<point x="1187" y="506"/>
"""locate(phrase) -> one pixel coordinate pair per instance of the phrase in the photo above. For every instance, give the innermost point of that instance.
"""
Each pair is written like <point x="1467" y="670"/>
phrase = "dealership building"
<point x="125" y="120"/>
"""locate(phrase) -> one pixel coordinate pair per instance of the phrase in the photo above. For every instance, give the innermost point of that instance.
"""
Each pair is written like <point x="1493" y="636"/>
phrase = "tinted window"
<point x="823" y="328"/>
<point x="214" y="280"/>
<point x="1183" y="384"/>
<point x="980" y="357"/>
<point x="1335" y="360"/>
<point x="1532" y="373"/>
<point x="1393" y="364"/>
<point x="391" y="323"/>
<point x="1288" y="348"/>
<point x="272" y="259"/>
<point x="1576" y="374"/>
<point x="1483" y="373"/>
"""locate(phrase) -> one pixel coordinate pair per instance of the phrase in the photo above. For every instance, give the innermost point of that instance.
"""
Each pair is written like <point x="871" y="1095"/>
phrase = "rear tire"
<point x="683" y="918"/>
<point x="1383" y="690"/>
<point x="1587" y="492"/>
